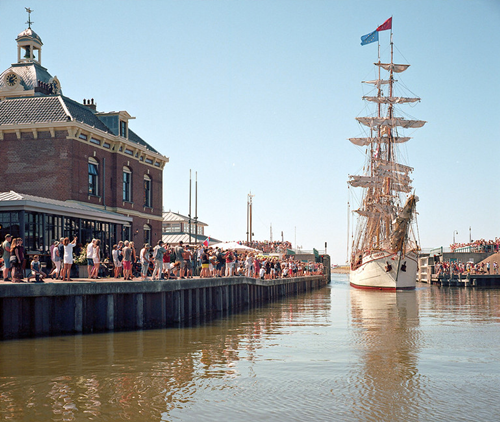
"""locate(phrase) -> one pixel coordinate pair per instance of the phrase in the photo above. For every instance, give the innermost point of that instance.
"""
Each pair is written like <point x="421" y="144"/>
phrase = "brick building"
<point x="68" y="169"/>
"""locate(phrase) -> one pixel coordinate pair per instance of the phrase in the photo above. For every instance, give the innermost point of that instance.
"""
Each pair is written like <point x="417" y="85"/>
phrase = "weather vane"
<point x="29" y="16"/>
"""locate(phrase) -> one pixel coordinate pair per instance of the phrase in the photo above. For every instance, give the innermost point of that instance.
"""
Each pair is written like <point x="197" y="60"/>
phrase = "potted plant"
<point x="81" y="261"/>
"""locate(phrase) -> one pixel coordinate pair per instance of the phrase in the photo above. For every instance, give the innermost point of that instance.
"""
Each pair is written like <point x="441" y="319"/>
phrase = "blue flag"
<point x="369" y="38"/>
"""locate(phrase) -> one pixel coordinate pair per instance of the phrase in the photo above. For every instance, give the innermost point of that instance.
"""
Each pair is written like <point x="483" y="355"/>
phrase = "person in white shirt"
<point x="68" y="257"/>
<point x="90" y="257"/>
<point x="144" y="257"/>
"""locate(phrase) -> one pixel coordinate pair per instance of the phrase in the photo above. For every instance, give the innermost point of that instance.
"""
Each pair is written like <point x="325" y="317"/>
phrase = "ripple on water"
<point x="334" y="354"/>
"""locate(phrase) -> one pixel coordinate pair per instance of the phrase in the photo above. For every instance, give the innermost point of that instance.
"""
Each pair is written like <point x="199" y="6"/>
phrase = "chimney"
<point x="90" y="104"/>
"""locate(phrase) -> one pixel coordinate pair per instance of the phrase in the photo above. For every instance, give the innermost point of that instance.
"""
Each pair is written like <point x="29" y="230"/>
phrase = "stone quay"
<point x="88" y="306"/>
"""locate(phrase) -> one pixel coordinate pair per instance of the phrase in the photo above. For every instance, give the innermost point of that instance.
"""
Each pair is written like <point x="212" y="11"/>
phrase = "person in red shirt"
<point x="166" y="264"/>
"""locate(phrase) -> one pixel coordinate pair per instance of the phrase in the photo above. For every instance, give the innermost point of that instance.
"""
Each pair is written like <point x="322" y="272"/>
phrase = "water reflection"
<point x="461" y="305"/>
<point x="137" y="376"/>
<point x="385" y="383"/>
<point x="337" y="354"/>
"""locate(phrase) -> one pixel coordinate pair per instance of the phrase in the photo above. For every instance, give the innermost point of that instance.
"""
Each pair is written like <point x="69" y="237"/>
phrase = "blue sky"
<point x="261" y="96"/>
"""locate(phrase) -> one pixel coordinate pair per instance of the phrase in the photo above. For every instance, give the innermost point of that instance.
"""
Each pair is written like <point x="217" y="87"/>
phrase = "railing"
<point x="478" y="248"/>
<point x="436" y="251"/>
<point x="308" y="251"/>
<point x="464" y="249"/>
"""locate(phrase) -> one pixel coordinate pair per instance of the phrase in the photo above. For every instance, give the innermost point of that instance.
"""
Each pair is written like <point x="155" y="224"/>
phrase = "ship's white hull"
<point x="373" y="274"/>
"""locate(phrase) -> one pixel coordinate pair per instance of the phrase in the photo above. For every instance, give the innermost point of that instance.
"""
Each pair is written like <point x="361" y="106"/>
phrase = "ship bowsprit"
<point x="402" y="223"/>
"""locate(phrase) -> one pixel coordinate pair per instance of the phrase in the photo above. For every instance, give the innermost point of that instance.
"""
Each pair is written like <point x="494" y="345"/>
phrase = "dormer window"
<point x="123" y="129"/>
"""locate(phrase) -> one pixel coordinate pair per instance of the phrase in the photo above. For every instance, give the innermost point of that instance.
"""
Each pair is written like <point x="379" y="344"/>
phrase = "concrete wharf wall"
<point x="45" y="309"/>
<point x="466" y="280"/>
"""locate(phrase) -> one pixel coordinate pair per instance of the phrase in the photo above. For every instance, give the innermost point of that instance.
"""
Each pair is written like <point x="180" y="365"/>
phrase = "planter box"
<point x="83" y="272"/>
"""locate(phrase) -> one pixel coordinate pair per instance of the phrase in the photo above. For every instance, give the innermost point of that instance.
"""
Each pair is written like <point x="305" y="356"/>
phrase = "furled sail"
<point x="391" y="122"/>
<point x="383" y="209"/>
<point x="367" y="141"/>
<point x="377" y="82"/>
<point x="364" y="181"/>
<point x="397" y="177"/>
<point x="378" y="182"/>
<point x="391" y="165"/>
<point x="398" y="68"/>
<point x="391" y="100"/>
<point x="366" y="213"/>
<point x="401" y="187"/>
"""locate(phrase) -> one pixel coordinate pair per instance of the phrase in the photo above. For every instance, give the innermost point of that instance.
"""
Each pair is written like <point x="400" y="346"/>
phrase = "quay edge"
<point x="47" y="309"/>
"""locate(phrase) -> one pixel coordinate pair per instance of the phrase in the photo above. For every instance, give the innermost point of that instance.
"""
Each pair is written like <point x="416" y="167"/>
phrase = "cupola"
<point x="29" y="44"/>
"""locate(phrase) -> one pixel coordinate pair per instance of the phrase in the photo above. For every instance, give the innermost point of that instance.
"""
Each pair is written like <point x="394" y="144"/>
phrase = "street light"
<point x="454" y="232"/>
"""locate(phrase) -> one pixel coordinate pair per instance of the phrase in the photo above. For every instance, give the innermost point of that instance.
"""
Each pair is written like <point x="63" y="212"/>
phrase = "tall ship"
<point x="384" y="246"/>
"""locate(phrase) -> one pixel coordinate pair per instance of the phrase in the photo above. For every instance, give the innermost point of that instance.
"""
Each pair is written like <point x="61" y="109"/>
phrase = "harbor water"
<point x="335" y="354"/>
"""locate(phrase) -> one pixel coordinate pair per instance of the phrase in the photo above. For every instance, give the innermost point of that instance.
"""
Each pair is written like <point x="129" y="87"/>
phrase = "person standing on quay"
<point x="56" y="259"/>
<point x="90" y="258"/>
<point x="188" y="265"/>
<point x="221" y="262"/>
<point x="179" y="259"/>
<point x="16" y="260"/>
<point x="158" y="252"/>
<point x="96" y="258"/>
<point x="68" y="257"/>
<point x="119" y="259"/>
<point x="229" y="263"/>
<point x="127" y="261"/>
<point x="6" y="256"/>
<point x="60" y="248"/>
<point x="204" y="264"/>
<point x="133" y="259"/>
<point x="116" y="261"/>
<point x="144" y="257"/>
<point x="51" y="252"/>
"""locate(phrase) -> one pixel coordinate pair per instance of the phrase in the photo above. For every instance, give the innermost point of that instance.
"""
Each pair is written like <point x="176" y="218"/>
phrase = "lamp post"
<point x="189" y="213"/>
<point x="196" y="208"/>
<point x="454" y="232"/>
<point x="249" y="217"/>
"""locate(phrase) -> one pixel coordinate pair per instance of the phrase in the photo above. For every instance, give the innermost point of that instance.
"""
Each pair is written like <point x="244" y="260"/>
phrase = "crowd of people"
<point x="219" y="263"/>
<point x="158" y="262"/>
<point x="481" y="245"/>
<point x="465" y="268"/>
<point x="14" y="260"/>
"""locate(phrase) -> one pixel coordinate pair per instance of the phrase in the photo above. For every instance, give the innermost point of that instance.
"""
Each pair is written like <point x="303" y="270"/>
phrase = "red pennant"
<point x="386" y="25"/>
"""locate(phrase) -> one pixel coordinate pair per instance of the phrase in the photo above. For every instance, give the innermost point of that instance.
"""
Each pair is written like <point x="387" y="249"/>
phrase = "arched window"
<point x="147" y="233"/>
<point x="127" y="184"/>
<point x="147" y="192"/>
<point x="93" y="176"/>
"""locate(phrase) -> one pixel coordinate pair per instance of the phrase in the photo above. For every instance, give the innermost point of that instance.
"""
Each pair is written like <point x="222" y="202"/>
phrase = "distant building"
<point x="67" y="169"/>
<point x="175" y="227"/>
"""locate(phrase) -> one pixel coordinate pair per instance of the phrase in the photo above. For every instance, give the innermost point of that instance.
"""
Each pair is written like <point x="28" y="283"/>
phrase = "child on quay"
<point x="36" y="271"/>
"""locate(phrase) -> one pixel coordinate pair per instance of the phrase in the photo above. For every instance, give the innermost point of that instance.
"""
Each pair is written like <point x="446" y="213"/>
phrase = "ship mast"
<point x="390" y="113"/>
<point x="384" y="179"/>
